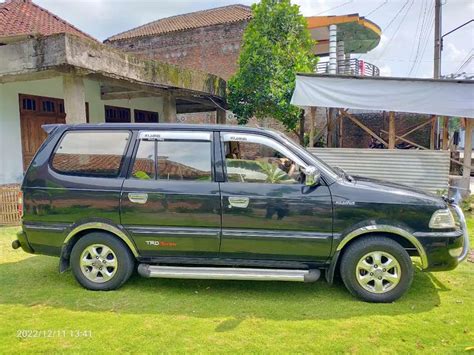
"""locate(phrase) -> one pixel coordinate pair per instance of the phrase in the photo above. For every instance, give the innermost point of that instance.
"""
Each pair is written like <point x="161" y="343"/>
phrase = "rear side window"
<point x="184" y="160"/>
<point x="175" y="156"/>
<point x="95" y="154"/>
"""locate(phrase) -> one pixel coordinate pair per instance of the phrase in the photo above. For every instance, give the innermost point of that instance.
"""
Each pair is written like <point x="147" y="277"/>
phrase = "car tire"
<point x="101" y="262"/>
<point x="376" y="269"/>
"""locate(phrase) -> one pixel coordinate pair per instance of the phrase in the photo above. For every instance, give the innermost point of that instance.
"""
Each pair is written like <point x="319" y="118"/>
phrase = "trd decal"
<point x="157" y="243"/>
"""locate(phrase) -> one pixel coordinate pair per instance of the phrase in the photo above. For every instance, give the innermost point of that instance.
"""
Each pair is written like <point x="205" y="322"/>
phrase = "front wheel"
<point x="376" y="269"/>
<point x="101" y="262"/>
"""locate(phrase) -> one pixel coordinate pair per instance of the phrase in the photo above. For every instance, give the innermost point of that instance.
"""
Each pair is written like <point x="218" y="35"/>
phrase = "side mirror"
<point x="313" y="176"/>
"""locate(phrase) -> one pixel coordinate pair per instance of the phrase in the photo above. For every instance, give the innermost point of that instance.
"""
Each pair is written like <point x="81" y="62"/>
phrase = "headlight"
<point x="442" y="219"/>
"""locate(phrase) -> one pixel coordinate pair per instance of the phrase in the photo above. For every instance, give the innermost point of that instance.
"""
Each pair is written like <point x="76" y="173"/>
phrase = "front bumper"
<point x="445" y="250"/>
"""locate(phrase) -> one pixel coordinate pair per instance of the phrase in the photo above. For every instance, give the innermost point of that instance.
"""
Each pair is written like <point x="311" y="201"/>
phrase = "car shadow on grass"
<point x="36" y="281"/>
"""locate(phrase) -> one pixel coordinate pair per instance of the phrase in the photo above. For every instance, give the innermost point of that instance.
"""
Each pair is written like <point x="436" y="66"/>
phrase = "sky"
<point x="406" y="47"/>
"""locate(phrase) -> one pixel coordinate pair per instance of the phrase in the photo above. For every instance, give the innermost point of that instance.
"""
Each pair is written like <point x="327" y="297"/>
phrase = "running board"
<point x="225" y="273"/>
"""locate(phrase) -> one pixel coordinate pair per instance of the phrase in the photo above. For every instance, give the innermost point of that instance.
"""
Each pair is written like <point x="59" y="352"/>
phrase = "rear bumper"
<point x="445" y="250"/>
<point x="23" y="242"/>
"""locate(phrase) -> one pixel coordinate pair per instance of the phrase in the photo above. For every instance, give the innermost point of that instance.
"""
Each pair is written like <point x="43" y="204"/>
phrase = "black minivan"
<point x="225" y="202"/>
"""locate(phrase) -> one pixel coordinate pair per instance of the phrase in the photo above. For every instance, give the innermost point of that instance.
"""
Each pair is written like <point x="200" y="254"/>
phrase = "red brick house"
<point x="207" y="40"/>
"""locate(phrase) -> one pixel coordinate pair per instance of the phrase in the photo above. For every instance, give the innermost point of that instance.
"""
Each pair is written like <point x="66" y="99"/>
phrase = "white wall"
<point x="11" y="166"/>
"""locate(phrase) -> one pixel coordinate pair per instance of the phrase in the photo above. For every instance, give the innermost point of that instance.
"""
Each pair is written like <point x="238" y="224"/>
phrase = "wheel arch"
<point x="75" y="234"/>
<point x="399" y="235"/>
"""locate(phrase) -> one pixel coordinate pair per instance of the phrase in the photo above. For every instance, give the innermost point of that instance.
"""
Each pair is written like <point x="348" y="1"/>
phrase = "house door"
<point x="36" y="111"/>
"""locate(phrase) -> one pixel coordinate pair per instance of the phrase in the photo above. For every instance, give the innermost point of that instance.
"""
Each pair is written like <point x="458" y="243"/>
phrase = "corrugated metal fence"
<point x="424" y="169"/>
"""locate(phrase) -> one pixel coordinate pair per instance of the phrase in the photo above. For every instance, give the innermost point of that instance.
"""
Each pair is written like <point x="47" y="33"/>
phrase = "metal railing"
<point x="351" y="66"/>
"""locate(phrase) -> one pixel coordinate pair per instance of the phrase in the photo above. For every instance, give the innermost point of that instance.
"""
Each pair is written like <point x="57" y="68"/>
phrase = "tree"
<point x="276" y="46"/>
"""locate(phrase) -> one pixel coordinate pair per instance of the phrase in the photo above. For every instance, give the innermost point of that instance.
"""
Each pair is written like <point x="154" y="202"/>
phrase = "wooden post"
<point x="330" y="128"/>
<point x="466" y="174"/>
<point x="391" y="130"/>
<point x="445" y="133"/>
<point x="312" y="122"/>
<point x="341" y="130"/>
<point x="433" y="132"/>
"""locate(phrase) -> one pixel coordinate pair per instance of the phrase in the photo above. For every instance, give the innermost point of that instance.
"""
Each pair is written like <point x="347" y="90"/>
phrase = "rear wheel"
<point x="100" y="261"/>
<point x="376" y="269"/>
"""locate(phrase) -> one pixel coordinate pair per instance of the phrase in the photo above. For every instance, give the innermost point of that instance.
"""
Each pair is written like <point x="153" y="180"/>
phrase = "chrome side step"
<point x="226" y="273"/>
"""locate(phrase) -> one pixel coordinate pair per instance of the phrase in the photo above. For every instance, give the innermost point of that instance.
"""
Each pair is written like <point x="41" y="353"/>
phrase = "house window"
<point x="28" y="103"/>
<point x="142" y="116"/>
<point x="48" y="106"/>
<point x="114" y="114"/>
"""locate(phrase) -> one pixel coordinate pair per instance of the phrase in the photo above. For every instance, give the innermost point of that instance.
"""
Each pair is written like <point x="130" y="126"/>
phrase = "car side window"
<point x="184" y="160"/>
<point x="255" y="159"/>
<point x="90" y="153"/>
<point x="144" y="165"/>
<point x="173" y="159"/>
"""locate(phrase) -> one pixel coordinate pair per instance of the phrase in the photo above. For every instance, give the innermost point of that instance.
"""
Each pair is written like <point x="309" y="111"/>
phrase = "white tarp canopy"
<point x="427" y="96"/>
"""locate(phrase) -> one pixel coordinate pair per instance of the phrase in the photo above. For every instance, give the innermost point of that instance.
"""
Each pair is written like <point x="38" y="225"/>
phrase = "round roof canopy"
<point x="359" y="34"/>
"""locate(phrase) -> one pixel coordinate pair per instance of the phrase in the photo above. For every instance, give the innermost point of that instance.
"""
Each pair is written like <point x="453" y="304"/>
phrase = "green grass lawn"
<point x="437" y="314"/>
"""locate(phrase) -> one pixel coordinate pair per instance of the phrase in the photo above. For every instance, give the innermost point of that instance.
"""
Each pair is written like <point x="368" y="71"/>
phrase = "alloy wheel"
<point x="378" y="272"/>
<point x="98" y="263"/>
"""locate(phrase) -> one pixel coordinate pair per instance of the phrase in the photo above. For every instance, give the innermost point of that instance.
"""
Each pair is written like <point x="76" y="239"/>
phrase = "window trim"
<point x="257" y="139"/>
<point x="122" y="161"/>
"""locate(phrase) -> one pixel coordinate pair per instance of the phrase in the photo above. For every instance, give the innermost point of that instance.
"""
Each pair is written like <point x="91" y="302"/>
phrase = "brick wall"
<point x="213" y="49"/>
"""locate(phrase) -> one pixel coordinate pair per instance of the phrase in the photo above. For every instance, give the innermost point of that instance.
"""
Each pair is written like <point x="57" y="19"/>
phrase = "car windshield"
<point x="319" y="163"/>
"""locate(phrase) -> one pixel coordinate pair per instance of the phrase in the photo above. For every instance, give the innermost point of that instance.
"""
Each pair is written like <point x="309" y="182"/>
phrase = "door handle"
<point x="140" y="198"/>
<point x="238" y="202"/>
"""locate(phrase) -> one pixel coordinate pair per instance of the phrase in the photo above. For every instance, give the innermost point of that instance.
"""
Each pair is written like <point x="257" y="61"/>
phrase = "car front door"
<point x="170" y="203"/>
<point x="267" y="211"/>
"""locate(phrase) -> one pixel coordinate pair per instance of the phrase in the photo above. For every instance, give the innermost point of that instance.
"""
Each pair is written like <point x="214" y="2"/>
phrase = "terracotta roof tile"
<point x="23" y="17"/>
<point x="204" y="18"/>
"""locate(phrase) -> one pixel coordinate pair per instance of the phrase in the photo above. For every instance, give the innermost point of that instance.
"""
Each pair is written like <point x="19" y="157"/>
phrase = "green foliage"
<point x="276" y="45"/>
<point x="466" y="204"/>
<point x="274" y="173"/>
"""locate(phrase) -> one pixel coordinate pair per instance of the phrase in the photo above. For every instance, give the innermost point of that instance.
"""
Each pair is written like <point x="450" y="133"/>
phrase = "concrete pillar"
<point x="169" y="108"/>
<point x="74" y="99"/>
<point x="341" y="63"/>
<point x="221" y="116"/>
<point x="332" y="49"/>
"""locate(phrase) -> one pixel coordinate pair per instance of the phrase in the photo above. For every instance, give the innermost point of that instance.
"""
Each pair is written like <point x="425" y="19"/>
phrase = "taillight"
<point x="20" y="204"/>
